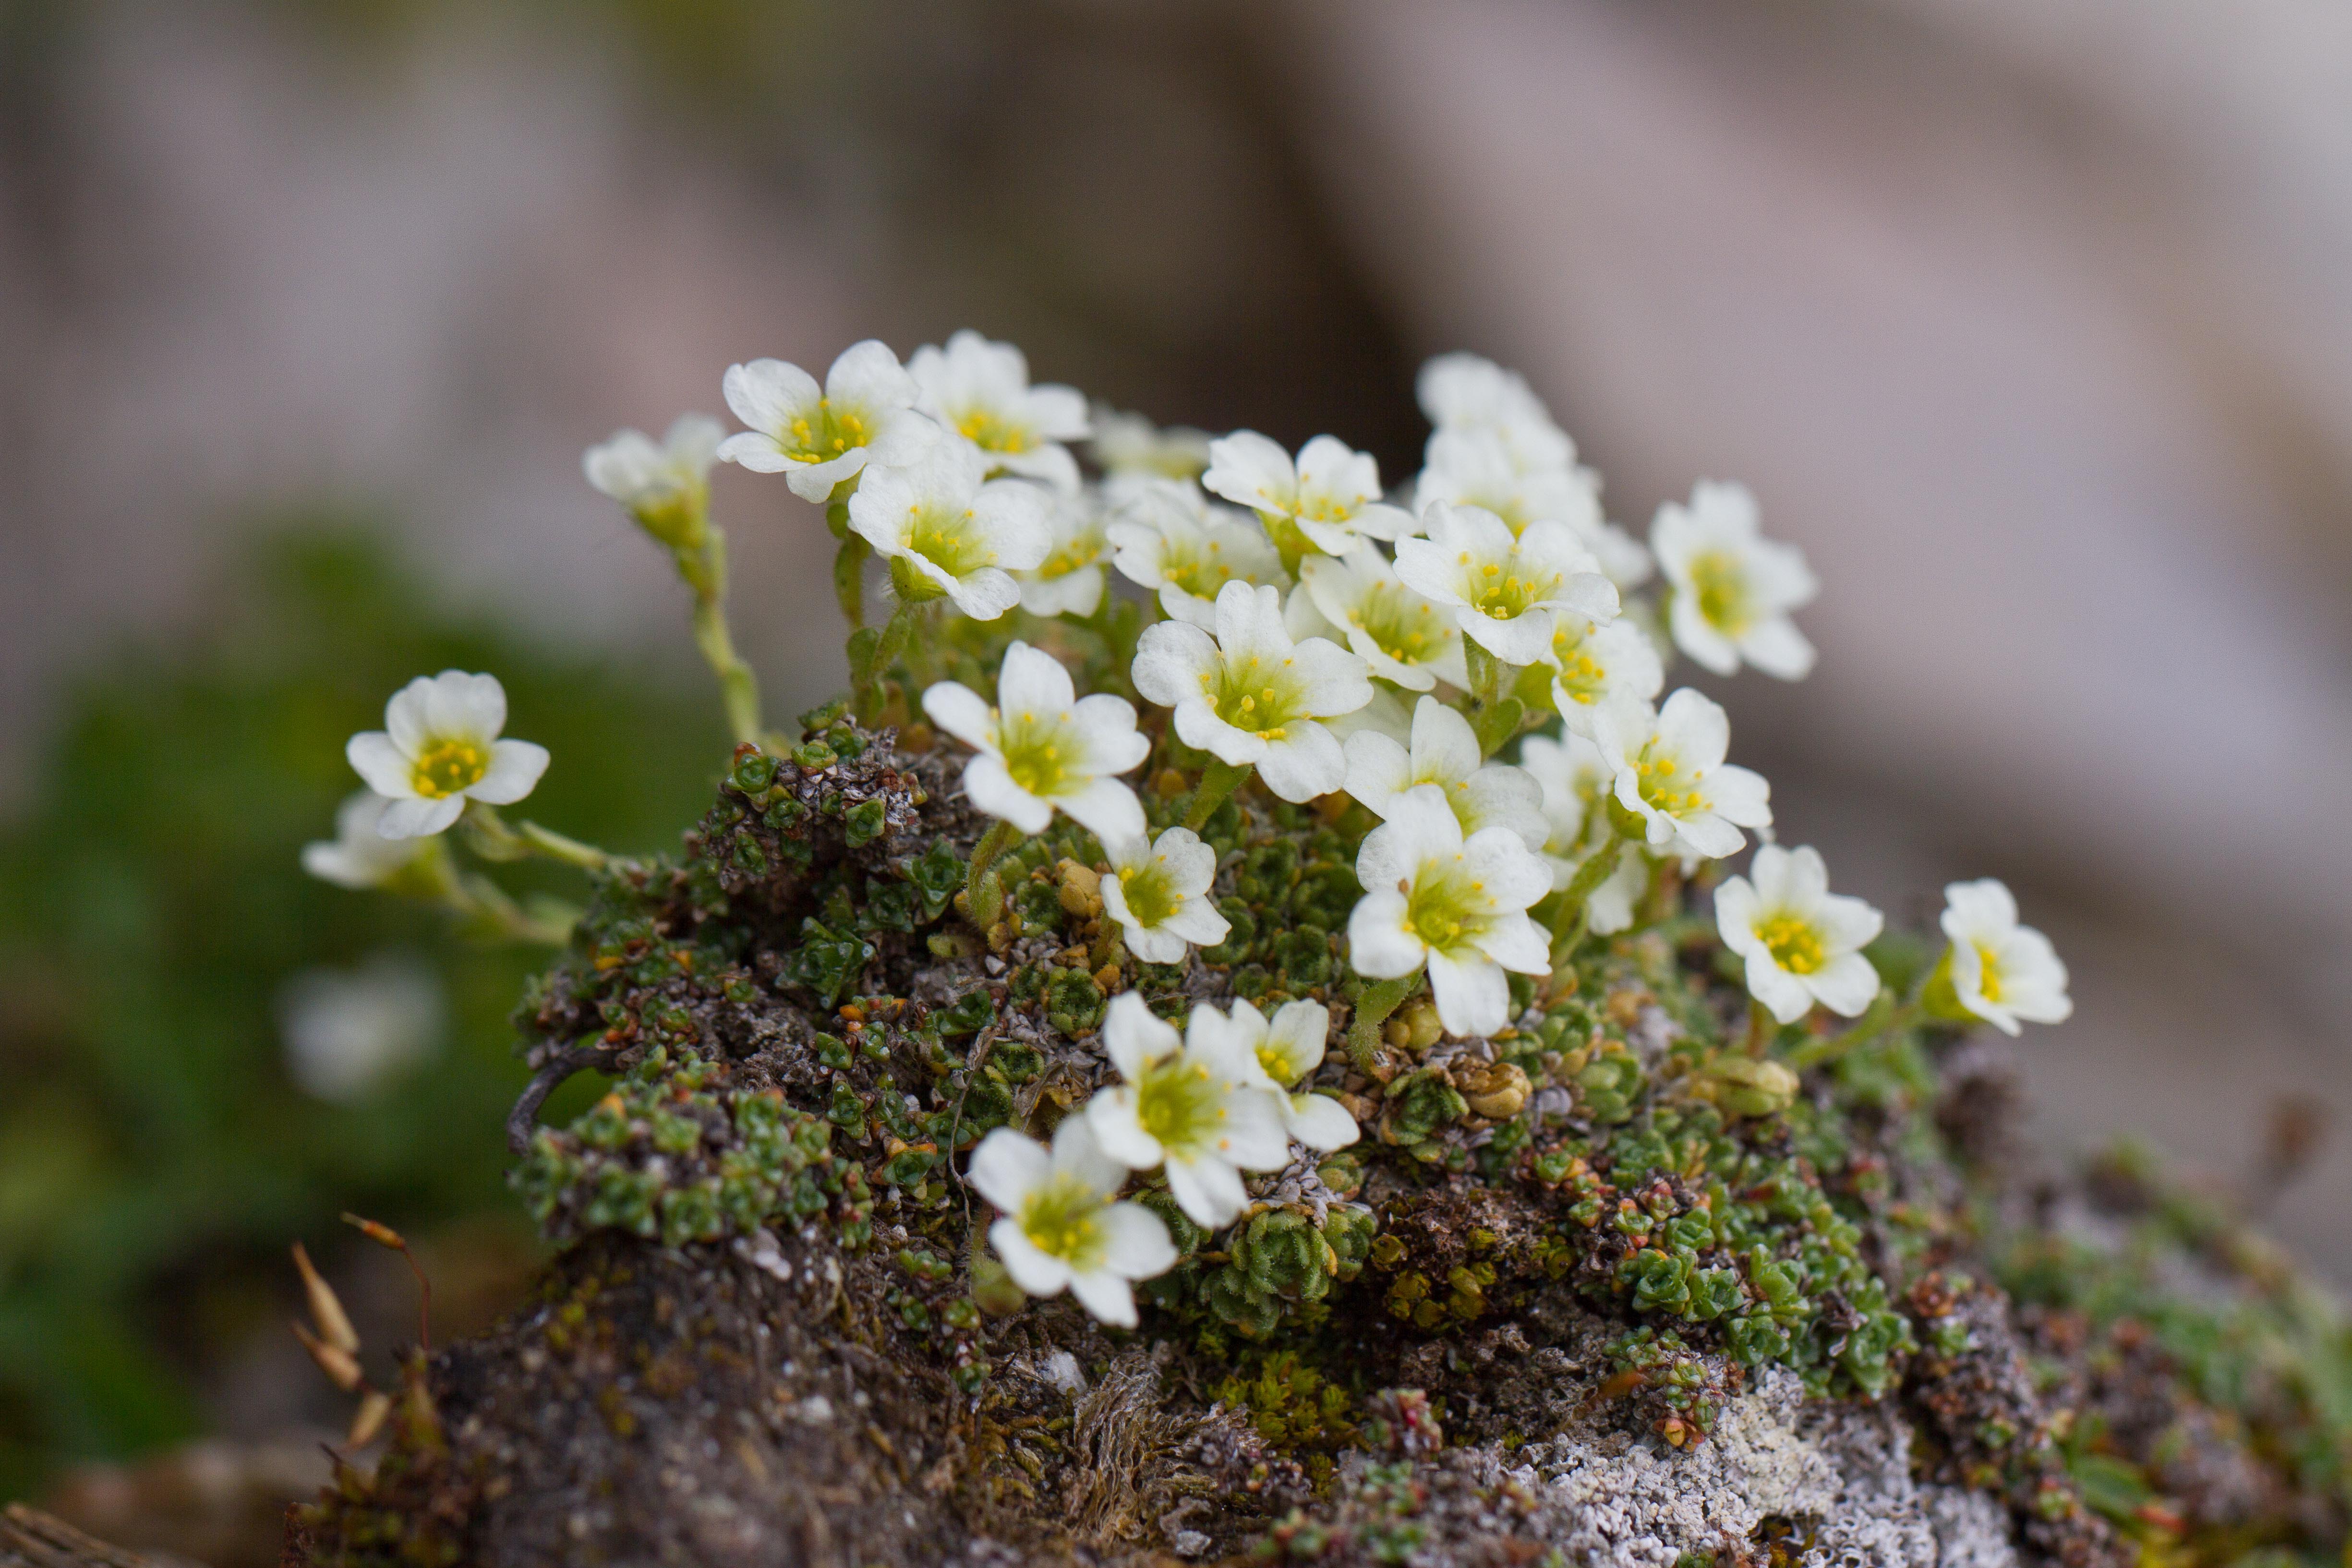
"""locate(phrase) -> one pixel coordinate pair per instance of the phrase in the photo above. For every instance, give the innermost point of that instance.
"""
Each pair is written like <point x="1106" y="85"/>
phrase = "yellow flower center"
<point x="947" y="540"/>
<point x="1662" y="784"/>
<point x="1179" y="1103"/>
<point x="1581" y="676"/>
<point x="1199" y="574"/>
<point x="1250" y="695"/>
<point x="991" y="432"/>
<point x="1149" y="896"/>
<point x="1062" y="1219"/>
<point x="1721" y="584"/>
<point x="1444" y="905"/>
<point x="1499" y="592"/>
<point x="1794" y="942"/>
<point x="1400" y="623"/>
<point x="1038" y="752"/>
<point x="826" y="436"/>
<point x="447" y="767"/>
<point x="1988" y="973"/>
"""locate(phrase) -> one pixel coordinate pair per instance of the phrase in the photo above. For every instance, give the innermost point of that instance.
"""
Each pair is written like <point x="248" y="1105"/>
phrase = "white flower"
<point x="1158" y="893"/>
<point x="347" y="1032"/>
<point x="819" y="437"/>
<point x="1459" y="906"/>
<point x="1189" y="1104"/>
<point x="1069" y="580"/>
<point x="1803" y="942"/>
<point x="1251" y="695"/>
<point x="946" y="530"/>
<point x="1170" y="538"/>
<point x="360" y="855"/>
<point x="1042" y="747"/>
<point x="1575" y="779"/>
<point x="1733" y="588"/>
<point x="1279" y="1055"/>
<point x="1503" y="589"/>
<point x="1062" y="1228"/>
<point x="440" y="748"/>
<point x="1129" y="445"/>
<point x="1668" y="769"/>
<point x="1331" y="494"/>
<point x="1404" y="635"/>
<point x="1600" y="667"/>
<point x="1478" y="468"/>
<point x="980" y="391"/>
<point x="1462" y="392"/>
<point x="666" y="488"/>
<point x="1999" y="970"/>
<point x="1444" y="752"/>
<point x="1385" y="714"/>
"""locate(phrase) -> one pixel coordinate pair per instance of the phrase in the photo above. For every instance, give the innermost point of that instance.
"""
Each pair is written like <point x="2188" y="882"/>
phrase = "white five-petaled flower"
<point x="1251" y="695"/>
<point x="360" y="855"/>
<point x="1444" y="752"/>
<point x="347" y="1031"/>
<point x="1331" y="493"/>
<point x="1064" y="1226"/>
<point x="1477" y="467"/>
<point x="1596" y="667"/>
<point x="666" y="487"/>
<point x="948" y="531"/>
<point x="1668" y="768"/>
<point x="1461" y="392"/>
<point x="1169" y="537"/>
<point x="980" y="391"/>
<point x="1158" y="893"/>
<point x="440" y="748"/>
<point x="819" y="436"/>
<point x="1999" y="970"/>
<point x="1803" y="942"/>
<point x="1044" y="747"/>
<point x="1733" y="588"/>
<point x="1457" y="905"/>
<point x="1503" y="589"/>
<point x="1575" y="779"/>
<point x="1069" y="580"/>
<point x="1280" y="1054"/>
<point x="1189" y="1103"/>
<point x="1403" y="636"/>
<point x="1130" y="447"/>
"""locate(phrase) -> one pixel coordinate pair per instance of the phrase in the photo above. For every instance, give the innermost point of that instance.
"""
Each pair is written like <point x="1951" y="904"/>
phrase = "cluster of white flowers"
<point x="1292" y="610"/>
<point x="1201" y="1107"/>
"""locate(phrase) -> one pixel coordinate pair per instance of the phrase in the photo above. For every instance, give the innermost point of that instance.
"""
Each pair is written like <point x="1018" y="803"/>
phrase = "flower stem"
<point x="1290" y="541"/>
<point x="1494" y="717"/>
<point x="487" y="907"/>
<point x="1568" y="922"/>
<point x="983" y="893"/>
<point x="867" y="681"/>
<point x="1372" y="1009"/>
<point x="1218" y="781"/>
<point x="704" y="569"/>
<point x="494" y="839"/>
<point x="1761" y="1028"/>
<point x="849" y="561"/>
<point x="1884" y="1016"/>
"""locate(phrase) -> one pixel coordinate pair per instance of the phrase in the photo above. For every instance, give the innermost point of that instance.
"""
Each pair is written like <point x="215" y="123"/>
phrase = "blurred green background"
<point x="156" y="1155"/>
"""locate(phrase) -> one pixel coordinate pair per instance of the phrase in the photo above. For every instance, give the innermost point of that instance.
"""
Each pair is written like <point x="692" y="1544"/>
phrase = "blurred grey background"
<point x="2030" y="320"/>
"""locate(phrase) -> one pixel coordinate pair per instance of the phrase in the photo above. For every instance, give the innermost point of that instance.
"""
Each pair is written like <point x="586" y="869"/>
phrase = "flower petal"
<point x="514" y="772"/>
<point x="1008" y="1166"/>
<point x="961" y="712"/>
<point x="1474" y="997"/>
<point x="993" y="790"/>
<point x="380" y="764"/>
<point x="1379" y="943"/>
<point x="1319" y="1121"/>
